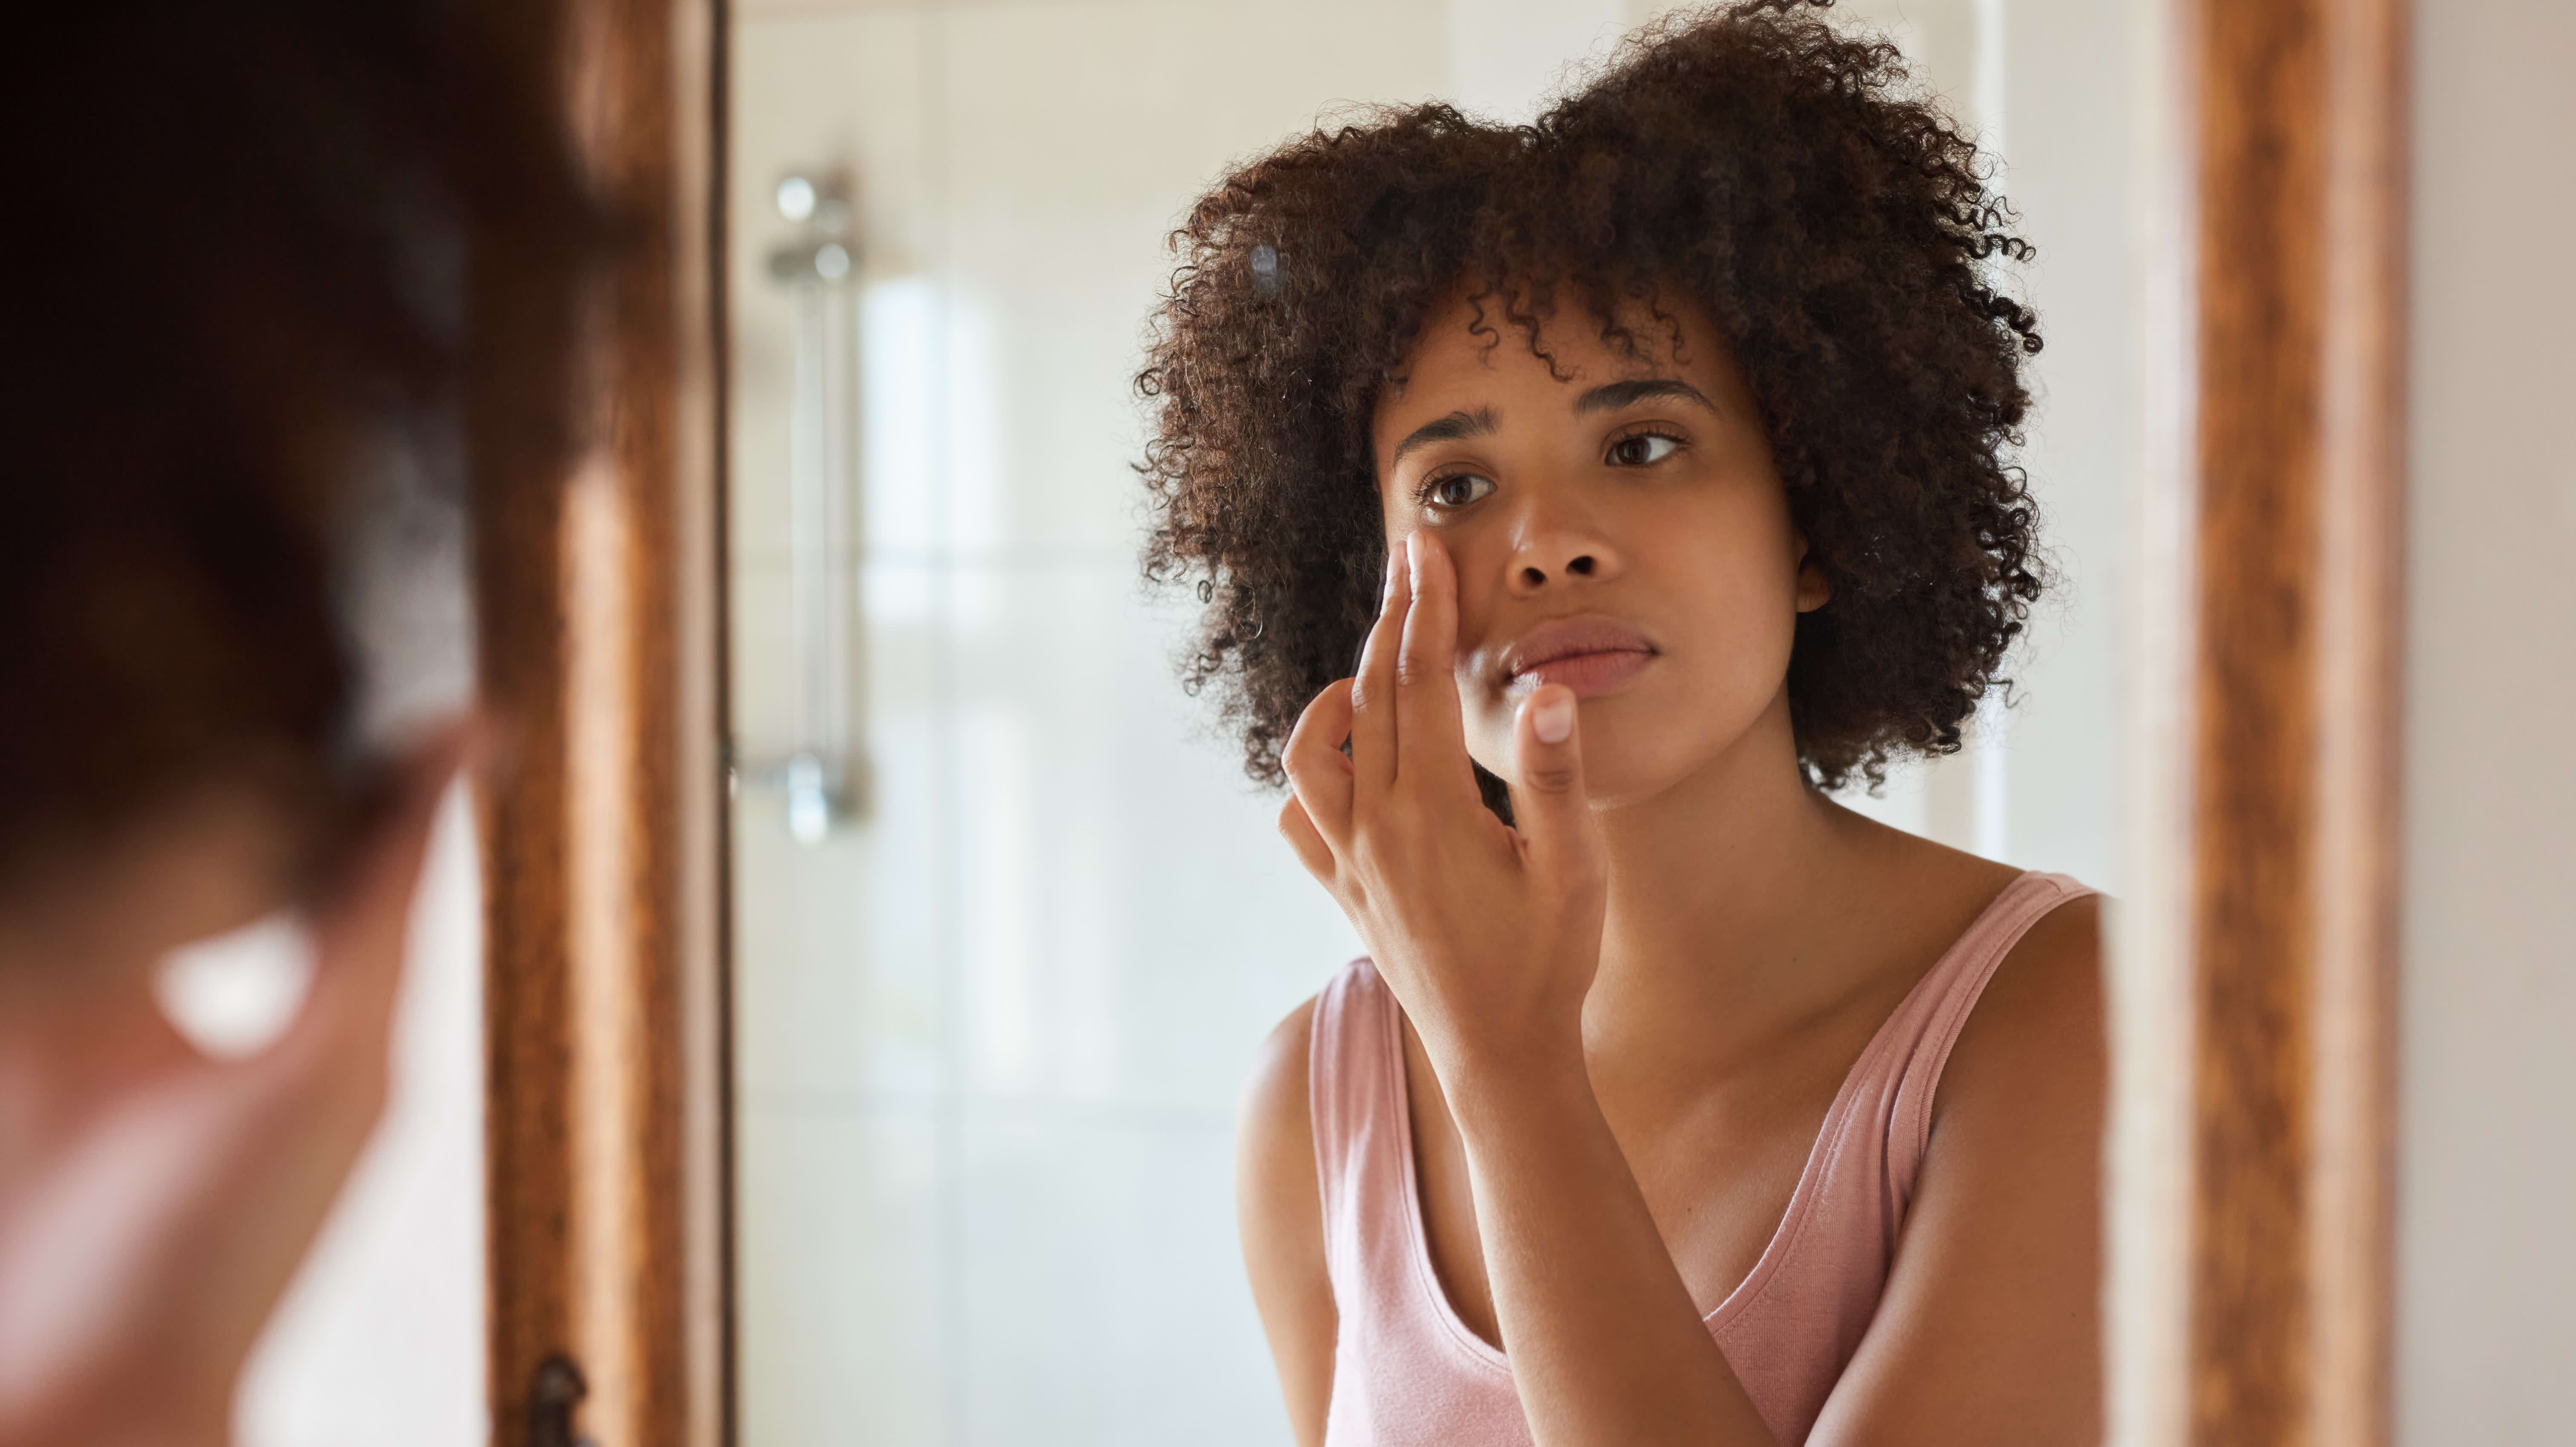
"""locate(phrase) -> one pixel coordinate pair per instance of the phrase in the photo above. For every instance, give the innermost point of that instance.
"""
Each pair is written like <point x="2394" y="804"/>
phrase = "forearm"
<point x="1605" y="1342"/>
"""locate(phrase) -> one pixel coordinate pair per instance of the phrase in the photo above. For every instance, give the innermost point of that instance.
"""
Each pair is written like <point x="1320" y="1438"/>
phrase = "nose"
<point x="1555" y="548"/>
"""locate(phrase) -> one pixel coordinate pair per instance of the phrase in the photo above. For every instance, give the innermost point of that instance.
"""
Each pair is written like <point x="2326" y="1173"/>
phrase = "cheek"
<point x="1489" y="725"/>
<point x="1488" y="719"/>
<point x="1726" y="597"/>
<point x="1733" y="578"/>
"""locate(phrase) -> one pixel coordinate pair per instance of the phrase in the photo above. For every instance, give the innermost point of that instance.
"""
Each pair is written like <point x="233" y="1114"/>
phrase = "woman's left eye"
<point x="1641" y="449"/>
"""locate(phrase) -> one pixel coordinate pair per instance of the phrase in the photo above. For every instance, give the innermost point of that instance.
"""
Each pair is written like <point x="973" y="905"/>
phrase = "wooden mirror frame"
<point x="2248" y="1294"/>
<point x="2252" y="1143"/>
<point x="600" y="629"/>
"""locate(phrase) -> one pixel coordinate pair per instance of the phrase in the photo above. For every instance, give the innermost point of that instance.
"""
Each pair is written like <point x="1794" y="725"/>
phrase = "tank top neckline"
<point x="1783" y="1241"/>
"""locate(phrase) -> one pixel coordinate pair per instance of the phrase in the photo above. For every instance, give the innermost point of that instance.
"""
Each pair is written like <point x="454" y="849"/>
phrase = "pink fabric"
<point x="1406" y="1369"/>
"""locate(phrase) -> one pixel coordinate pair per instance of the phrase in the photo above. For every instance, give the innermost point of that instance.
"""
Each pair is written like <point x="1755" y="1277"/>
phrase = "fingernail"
<point x="1553" y="720"/>
<point x="1413" y="561"/>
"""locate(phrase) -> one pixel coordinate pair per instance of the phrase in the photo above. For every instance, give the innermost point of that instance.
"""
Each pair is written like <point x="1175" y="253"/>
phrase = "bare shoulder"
<point x="1988" y="1331"/>
<point x="1275" y="1112"/>
<point x="1279" y="1211"/>
<point x="2039" y="1025"/>
<point x="1278" y="1191"/>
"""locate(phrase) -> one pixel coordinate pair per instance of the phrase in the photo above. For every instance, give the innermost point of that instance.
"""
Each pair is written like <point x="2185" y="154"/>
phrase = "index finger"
<point x="1373" y="716"/>
<point x="1430" y="733"/>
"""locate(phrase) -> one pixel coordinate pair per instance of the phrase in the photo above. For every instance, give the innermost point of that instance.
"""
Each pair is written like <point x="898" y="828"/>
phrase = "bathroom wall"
<point x="2487" y="1264"/>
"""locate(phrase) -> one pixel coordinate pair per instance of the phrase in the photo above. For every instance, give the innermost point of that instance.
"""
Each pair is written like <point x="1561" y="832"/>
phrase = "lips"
<point x="1591" y="655"/>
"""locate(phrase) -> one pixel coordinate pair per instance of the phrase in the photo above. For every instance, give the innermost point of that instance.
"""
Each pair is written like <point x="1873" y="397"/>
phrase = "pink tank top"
<point x="1407" y="1371"/>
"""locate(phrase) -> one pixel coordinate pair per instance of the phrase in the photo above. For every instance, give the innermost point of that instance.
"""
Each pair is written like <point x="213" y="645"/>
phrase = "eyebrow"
<point x="1608" y="397"/>
<point x="1612" y="396"/>
<point x="1457" y="425"/>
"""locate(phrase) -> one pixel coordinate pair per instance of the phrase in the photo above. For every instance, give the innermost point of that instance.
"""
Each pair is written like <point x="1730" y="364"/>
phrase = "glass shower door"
<point x="996" y="986"/>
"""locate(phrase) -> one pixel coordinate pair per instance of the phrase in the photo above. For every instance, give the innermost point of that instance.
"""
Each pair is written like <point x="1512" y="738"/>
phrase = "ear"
<point x="1815" y="590"/>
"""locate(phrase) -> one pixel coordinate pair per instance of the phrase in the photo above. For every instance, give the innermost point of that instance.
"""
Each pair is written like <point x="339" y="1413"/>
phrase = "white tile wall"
<point x="1103" y="1298"/>
<point x="991" y="1034"/>
<point x="845" y="1327"/>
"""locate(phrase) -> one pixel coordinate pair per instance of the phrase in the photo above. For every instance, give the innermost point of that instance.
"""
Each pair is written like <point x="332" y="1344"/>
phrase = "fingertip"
<point x="1336" y="708"/>
<point x="1332" y="696"/>
<point x="1551" y="711"/>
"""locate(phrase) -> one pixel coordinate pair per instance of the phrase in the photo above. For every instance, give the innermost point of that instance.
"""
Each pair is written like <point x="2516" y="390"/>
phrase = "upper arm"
<point x="1989" y="1330"/>
<point x="1279" y="1208"/>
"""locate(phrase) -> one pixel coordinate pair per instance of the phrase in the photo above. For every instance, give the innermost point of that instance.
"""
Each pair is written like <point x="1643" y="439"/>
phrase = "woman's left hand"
<point x="1488" y="934"/>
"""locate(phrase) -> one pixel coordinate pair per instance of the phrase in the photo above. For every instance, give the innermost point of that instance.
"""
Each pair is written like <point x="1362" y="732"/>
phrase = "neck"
<point x="1715" y="884"/>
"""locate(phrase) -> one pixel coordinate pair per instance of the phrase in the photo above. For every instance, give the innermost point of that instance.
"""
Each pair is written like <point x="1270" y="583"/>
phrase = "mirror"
<point x="1009" y="923"/>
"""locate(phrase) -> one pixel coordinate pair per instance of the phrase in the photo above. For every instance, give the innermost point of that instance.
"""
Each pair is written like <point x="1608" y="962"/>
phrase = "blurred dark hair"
<point x="245" y="241"/>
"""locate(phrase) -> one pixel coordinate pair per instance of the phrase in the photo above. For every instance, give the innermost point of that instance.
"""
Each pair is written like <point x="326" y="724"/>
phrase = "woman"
<point x="1652" y="461"/>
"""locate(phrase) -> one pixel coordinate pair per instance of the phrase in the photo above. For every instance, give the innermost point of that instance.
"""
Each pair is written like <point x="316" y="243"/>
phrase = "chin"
<point x="1620" y="768"/>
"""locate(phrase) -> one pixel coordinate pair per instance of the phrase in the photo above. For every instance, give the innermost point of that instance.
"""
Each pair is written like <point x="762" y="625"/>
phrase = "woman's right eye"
<point x="1457" y="489"/>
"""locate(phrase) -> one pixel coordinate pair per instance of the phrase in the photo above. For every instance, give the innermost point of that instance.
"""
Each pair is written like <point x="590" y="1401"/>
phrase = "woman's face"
<point x="1617" y="528"/>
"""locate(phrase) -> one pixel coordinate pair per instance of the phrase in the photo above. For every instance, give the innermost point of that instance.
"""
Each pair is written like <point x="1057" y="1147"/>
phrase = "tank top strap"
<point x="1350" y="1094"/>
<point x="1917" y="1040"/>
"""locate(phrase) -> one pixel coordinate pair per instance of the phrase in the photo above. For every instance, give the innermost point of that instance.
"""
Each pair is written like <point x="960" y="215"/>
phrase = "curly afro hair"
<point x="1750" y="159"/>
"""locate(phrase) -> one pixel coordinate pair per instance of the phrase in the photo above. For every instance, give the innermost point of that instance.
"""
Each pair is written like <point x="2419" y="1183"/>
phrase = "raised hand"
<point x="152" y="1214"/>
<point x="1488" y="934"/>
